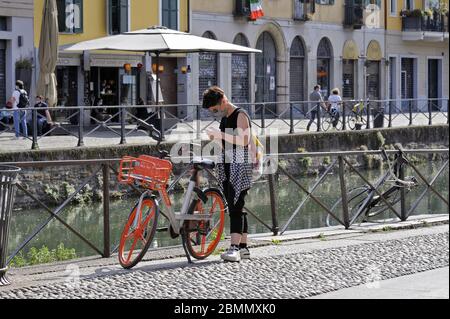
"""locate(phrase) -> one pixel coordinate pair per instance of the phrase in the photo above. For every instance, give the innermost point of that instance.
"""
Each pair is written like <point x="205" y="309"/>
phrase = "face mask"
<point x="218" y="114"/>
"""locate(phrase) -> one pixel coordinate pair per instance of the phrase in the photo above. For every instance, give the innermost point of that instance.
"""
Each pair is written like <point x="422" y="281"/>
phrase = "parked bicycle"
<point x="356" y="117"/>
<point x="364" y="202"/>
<point x="200" y="221"/>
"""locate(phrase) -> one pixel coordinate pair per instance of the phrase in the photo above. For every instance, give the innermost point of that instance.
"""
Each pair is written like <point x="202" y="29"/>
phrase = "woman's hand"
<point x="214" y="134"/>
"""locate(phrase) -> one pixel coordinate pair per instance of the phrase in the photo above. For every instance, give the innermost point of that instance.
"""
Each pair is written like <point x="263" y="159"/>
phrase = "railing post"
<point x="273" y="205"/>
<point x="401" y="175"/>
<point x="430" y="109"/>
<point x="263" y="117"/>
<point x="410" y="113"/>
<point x="80" y="126"/>
<point x="161" y="115"/>
<point x="35" y="145"/>
<point x="343" y="192"/>
<point x="291" y="130"/>
<point x="344" y="119"/>
<point x="123" y="139"/>
<point x="390" y="114"/>
<point x="199" y="122"/>
<point x="106" y="225"/>
<point x="368" y="114"/>
<point x="319" y="117"/>
<point x="448" y="110"/>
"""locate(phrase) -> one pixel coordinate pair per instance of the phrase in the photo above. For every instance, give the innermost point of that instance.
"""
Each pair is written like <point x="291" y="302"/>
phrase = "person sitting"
<point x="99" y="114"/>
<point x="44" y="119"/>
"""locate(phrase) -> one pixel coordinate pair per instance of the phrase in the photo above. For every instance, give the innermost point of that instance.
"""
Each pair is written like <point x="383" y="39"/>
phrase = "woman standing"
<point x="234" y="169"/>
<point x="335" y="100"/>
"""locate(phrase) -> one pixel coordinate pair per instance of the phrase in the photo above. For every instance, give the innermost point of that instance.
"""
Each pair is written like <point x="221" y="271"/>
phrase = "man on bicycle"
<point x="234" y="169"/>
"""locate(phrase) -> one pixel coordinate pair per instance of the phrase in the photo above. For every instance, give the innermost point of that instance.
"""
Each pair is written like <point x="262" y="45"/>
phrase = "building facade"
<point x="16" y="46"/>
<point x="84" y="78"/>
<point x="417" y="42"/>
<point x="337" y="44"/>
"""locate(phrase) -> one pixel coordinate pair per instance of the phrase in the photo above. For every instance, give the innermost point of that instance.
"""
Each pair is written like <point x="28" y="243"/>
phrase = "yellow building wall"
<point x="330" y="13"/>
<point x="94" y="22"/>
<point x="144" y="13"/>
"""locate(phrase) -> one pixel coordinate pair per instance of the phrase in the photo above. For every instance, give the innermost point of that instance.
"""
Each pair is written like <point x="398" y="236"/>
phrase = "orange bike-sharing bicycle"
<point x="200" y="222"/>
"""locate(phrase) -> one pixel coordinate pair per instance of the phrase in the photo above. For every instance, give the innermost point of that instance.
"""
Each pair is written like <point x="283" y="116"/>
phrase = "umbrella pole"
<point x="161" y="111"/>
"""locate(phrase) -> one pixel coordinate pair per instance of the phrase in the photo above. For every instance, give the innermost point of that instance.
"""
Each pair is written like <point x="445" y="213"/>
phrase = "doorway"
<point x="266" y="72"/>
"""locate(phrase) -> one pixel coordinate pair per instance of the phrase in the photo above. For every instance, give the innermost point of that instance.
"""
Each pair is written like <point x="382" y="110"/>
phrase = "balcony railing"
<point x="426" y="24"/>
<point x="354" y="16"/>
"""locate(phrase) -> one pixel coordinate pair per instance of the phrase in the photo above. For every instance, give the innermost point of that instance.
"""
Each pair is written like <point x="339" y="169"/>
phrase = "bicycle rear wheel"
<point x="392" y="197"/>
<point x="202" y="237"/>
<point x="138" y="234"/>
<point x="326" y="122"/>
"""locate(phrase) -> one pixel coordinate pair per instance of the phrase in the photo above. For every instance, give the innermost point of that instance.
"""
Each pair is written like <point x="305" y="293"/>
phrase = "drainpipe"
<point x="188" y="16"/>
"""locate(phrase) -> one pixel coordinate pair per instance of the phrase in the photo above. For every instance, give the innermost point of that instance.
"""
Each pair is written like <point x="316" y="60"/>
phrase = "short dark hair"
<point x="212" y="97"/>
<point x="19" y="84"/>
<point x="317" y="87"/>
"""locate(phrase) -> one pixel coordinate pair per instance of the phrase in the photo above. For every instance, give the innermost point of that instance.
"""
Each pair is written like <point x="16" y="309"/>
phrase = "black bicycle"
<point x="364" y="203"/>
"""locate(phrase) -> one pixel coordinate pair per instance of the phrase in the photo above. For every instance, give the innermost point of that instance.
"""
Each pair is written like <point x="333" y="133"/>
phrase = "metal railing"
<point x="340" y="162"/>
<point x="287" y="117"/>
<point x="437" y="23"/>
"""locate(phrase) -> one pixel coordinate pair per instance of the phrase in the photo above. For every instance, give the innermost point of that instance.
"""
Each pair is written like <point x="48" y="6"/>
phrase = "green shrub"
<point x="43" y="255"/>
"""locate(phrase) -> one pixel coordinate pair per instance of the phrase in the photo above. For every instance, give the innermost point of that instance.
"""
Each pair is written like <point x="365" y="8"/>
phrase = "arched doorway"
<point x="266" y="71"/>
<point x="240" y="73"/>
<point x="374" y="56"/>
<point x="297" y="75"/>
<point x="324" y="56"/>
<point x="207" y="75"/>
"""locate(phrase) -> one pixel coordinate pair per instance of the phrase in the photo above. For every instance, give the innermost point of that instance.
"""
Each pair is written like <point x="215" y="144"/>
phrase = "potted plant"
<point x="24" y="70"/>
<point x="405" y="13"/>
<point x="417" y="13"/>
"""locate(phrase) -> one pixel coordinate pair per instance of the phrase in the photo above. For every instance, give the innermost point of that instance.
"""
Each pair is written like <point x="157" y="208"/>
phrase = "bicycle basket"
<point x="146" y="171"/>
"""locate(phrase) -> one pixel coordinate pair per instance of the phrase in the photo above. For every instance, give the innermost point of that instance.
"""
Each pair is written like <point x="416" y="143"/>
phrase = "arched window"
<point x="266" y="70"/>
<point x="324" y="56"/>
<point x="240" y="73"/>
<point x="297" y="71"/>
<point x="207" y="68"/>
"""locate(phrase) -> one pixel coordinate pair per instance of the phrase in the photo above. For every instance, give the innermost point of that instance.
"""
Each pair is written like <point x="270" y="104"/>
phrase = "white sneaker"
<point x="232" y="254"/>
<point x="245" y="253"/>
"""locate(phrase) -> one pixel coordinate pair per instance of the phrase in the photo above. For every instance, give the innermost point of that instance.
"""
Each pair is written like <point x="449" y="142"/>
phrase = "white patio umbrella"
<point x="159" y="40"/>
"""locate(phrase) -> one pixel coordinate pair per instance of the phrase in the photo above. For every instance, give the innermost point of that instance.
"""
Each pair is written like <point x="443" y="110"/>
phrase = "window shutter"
<point x="123" y="16"/>
<point x="61" y="6"/>
<point x="79" y="27"/>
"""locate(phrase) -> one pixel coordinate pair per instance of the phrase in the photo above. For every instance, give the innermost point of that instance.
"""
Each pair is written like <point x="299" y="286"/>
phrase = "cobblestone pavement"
<point x="293" y="275"/>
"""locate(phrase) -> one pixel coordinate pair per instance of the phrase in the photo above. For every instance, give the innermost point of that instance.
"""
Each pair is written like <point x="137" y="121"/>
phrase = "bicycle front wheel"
<point x="355" y="198"/>
<point x="203" y="236"/>
<point x="138" y="233"/>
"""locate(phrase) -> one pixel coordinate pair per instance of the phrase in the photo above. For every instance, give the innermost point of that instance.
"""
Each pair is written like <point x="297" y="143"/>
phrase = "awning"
<point x="374" y="51"/>
<point x="350" y="51"/>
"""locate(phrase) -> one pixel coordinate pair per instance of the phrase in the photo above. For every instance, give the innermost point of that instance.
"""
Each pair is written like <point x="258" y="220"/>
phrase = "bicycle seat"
<point x="202" y="163"/>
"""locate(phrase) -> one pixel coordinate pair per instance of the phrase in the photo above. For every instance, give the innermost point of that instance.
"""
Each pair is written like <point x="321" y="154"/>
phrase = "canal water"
<point x="89" y="219"/>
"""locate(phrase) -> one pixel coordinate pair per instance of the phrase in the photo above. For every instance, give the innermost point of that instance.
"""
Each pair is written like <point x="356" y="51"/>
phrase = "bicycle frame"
<point x="176" y="219"/>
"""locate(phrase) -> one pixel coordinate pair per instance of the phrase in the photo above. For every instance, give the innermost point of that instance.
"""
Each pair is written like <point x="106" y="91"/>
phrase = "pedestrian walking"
<point x="234" y="167"/>
<point x="317" y="99"/>
<point x="335" y="101"/>
<point x="19" y="100"/>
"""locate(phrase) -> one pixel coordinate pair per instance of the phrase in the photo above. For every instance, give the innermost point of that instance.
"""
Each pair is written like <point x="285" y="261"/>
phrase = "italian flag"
<point x="256" y="10"/>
